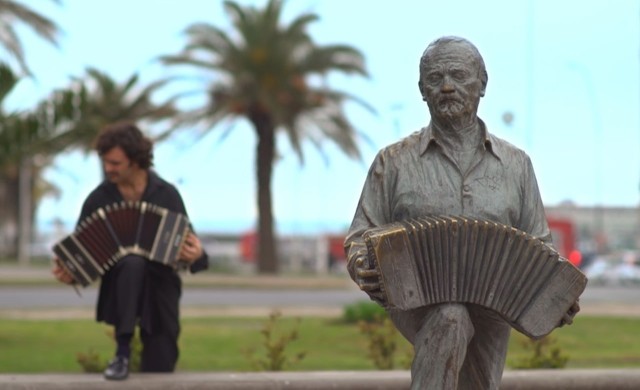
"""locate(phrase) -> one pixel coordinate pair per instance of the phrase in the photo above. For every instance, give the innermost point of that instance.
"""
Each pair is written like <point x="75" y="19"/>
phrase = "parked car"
<point x="620" y="268"/>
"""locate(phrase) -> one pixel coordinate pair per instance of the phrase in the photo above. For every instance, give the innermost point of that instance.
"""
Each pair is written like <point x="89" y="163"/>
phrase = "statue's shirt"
<point x="417" y="176"/>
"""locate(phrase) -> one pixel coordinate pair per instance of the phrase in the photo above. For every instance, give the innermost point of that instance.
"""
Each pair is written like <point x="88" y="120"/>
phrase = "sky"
<point x="566" y="72"/>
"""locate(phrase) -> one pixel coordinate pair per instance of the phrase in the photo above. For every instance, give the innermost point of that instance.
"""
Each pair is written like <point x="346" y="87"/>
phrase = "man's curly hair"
<point x="127" y="135"/>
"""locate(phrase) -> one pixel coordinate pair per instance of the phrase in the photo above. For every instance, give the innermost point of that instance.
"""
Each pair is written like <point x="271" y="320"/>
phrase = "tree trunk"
<point x="9" y="200"/>
<point x="267" y="251"/>
<point x="25" y="210"/>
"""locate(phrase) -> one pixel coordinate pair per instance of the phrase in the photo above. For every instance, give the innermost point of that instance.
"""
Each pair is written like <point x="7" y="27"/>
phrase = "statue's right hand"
<point x="368" y="278"/>
<point x="61" y="274"/>
<point x="366" y="275"/>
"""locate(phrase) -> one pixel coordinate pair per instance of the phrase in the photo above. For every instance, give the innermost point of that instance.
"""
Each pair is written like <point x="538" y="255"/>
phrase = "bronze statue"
<point x="455" y="167"/>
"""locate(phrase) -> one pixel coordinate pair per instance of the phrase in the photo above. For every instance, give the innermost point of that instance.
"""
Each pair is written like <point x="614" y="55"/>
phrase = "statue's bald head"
<point x="453" y="45"/>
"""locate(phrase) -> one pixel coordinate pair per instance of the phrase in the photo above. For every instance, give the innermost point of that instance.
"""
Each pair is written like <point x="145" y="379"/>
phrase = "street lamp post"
<point x="598" y="139"/>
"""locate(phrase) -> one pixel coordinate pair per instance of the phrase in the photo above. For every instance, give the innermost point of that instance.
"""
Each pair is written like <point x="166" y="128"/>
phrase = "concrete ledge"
<point x="587" y="379"/>
<point x="584" y="379"/>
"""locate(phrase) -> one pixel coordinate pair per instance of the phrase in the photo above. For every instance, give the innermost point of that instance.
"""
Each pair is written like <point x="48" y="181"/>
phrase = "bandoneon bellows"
<point x="439" y="259"/>
<point x="117" y="230"/>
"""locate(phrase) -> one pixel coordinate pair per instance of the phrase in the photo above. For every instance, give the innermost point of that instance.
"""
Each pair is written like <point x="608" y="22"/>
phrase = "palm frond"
<point x="8" y="80"/>
<point x="10" y="41"/>
<point x="12" y="12"/>
<point x="265" y="68"/>
<point x="206" y="37"/>
<point x="95" y="100"/>
<point x="40" y="24"/>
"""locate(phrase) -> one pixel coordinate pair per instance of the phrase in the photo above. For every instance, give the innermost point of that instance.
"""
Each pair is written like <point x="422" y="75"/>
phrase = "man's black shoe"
<point x="118" y="369"/>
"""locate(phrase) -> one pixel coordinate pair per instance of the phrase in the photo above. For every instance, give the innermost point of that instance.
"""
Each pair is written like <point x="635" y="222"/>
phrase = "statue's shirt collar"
<point x="429" y="140"/>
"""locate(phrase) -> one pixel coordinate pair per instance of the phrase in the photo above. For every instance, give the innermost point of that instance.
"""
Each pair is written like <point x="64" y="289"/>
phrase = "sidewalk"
<point x="185" y="312"/>
<point x="41" y="275"/>
<point x="614" y="379"/>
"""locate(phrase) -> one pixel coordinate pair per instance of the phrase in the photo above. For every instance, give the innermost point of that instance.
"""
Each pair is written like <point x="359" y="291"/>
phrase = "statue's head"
<point x="453" y="78"/>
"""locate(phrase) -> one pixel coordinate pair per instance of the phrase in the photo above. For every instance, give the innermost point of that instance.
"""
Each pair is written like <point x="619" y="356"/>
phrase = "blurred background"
<point x="563" y="85"/>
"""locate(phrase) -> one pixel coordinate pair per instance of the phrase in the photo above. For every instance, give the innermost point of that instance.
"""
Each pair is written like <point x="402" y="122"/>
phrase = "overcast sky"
<point x="567" y="71"/>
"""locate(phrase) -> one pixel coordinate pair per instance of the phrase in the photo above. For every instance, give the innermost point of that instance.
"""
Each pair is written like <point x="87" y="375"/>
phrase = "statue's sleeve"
<point x="532" y="216"/>
<point x="373" y="209"/>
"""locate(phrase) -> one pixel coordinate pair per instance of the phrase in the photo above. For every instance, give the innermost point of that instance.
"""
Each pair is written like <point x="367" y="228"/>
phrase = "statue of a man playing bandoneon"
<point x="453" y="166"/>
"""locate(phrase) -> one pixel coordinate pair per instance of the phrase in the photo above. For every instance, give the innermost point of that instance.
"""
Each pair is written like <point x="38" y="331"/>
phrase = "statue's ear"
<point x="421" y="88"/>
<point x="484" y="80"/>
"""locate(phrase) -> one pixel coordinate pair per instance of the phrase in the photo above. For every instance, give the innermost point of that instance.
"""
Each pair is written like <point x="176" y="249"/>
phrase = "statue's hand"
<point x="567" y="319"/>
<point x="368" y="278"/>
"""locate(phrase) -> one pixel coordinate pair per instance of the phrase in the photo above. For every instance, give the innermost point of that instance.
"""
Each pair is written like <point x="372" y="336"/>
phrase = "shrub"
<point x="91" y="361"/>
<point x="275" y="357"/>
<point x="543" y="354"/>
<point x="382" y="343"/>
<point x="366" y="311"/>
<point x="381" y="335"/>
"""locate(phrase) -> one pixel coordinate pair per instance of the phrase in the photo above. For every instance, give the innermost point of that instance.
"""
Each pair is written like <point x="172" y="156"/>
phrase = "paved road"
<point x="52" y="297"/>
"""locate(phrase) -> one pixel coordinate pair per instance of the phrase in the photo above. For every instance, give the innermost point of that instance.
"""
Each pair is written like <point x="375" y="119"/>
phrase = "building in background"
<point x="600" y="229"/>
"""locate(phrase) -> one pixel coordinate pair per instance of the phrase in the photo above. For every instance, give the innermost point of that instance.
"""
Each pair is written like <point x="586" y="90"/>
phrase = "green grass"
<point x="217" y="344"/>
<point x="594" y="342"/>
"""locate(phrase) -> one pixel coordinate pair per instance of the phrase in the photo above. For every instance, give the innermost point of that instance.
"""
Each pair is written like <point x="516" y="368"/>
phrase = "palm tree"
<point x="15" y="127"/>
<point x="96" y="100"/>
<point x="11" y="143"/>
<point x="12" y="12"/>
<point x="20" y="134"/>
<point x="68" y="119"/>
<point x="265" y="76"/>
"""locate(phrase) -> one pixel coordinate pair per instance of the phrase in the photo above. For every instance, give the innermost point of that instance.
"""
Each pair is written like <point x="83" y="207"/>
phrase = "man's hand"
<point x="367" y="277"/>
<point x="567" y="319"/>
<point x="191" y="249"/>
<point x="60" y="273"/>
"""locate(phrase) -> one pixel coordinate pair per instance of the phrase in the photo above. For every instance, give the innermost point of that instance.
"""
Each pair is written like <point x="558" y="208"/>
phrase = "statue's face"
<point x="451" y="83"/>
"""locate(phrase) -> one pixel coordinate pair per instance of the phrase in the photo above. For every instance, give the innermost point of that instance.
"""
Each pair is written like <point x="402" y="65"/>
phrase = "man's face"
<point x="116" y="165"/>
<point x="451" y="83"/>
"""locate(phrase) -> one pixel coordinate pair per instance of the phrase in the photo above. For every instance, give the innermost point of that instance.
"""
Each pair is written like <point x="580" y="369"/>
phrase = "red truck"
<point x="564" y="239"/>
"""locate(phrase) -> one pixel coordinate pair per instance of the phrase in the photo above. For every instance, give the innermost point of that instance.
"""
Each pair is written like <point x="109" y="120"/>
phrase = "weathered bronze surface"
<point x="456" y="166"/>
<point x="439" y="259"/>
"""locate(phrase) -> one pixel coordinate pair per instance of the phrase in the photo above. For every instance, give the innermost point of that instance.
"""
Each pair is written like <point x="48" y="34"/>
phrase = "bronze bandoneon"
<point x="438" y="259"/>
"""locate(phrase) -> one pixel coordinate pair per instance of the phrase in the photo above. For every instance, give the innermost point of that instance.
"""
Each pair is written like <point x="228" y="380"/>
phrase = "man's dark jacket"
<point x="162" y="285"/>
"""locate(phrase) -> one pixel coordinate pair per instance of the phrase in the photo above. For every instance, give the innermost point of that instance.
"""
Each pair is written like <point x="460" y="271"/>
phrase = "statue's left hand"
<point x="567" y="319"/>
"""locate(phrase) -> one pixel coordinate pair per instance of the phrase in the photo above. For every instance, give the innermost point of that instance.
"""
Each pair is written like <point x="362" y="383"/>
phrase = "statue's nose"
<point x="447" y="85"/>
